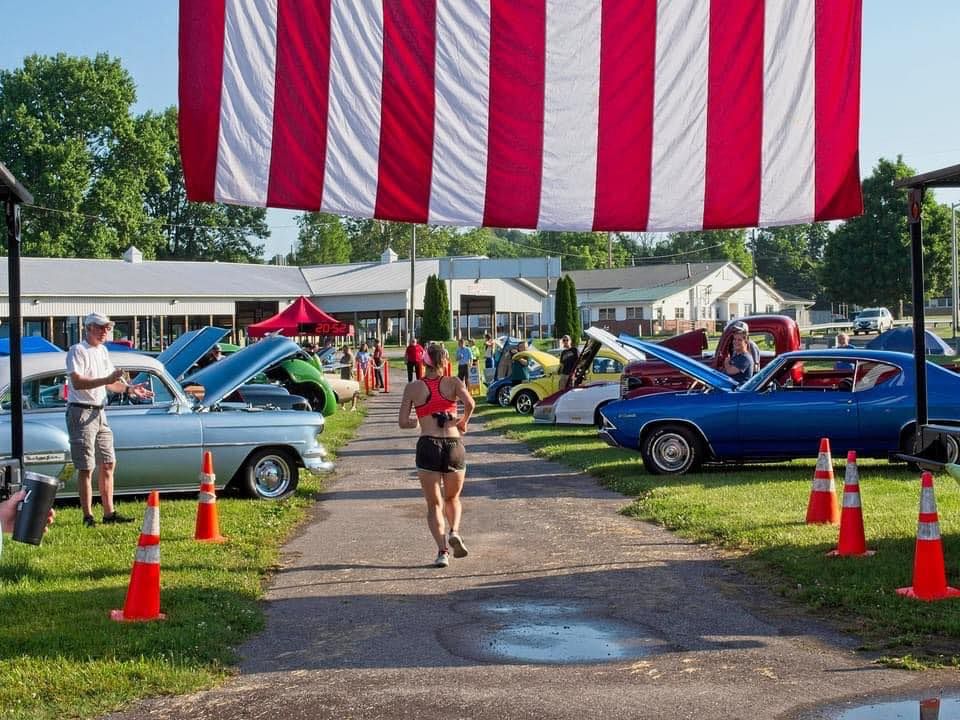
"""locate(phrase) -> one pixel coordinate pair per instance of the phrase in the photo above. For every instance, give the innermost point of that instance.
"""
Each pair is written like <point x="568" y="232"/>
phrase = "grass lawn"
<point x="60" y="655"/>
<point x="757" y="513"/>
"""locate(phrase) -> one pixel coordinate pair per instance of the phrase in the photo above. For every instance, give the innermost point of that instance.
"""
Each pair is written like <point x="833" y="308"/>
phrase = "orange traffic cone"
<point x="386" y="376"/>
<point x="208" y="525"/>
<point x="853" y="541"/>
<point x="823" y="507"/>
<point x="143" y="593"/>
<point x="929" y="573"/>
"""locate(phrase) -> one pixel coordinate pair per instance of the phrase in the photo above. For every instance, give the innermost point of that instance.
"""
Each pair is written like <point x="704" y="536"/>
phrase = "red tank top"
<point x="436" y="403"/>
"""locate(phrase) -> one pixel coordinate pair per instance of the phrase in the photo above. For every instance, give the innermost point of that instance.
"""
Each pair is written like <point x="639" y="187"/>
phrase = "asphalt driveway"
<point x="563" y="609"/>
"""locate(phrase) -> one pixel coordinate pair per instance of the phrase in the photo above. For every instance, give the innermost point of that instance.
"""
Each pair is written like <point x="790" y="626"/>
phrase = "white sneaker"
<point x="456" y="542"/>
<point x="443" y="559"/>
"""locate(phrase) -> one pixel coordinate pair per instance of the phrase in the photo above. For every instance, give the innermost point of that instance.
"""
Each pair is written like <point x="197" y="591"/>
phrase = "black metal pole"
<point x="16" y="359"/>
<point x="919" y="339"/>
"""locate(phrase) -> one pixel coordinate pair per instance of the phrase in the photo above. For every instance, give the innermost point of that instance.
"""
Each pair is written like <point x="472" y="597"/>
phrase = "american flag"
<point x="555" y="114"/>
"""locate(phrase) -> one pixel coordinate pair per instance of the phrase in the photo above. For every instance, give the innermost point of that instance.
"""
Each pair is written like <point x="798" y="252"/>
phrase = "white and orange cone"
<point x="822" y="506"/>
<point x="208" y="523"/>
<point x="929" y="572"/>
<point x="853" y="541"/>
<point x="143" y="593"/>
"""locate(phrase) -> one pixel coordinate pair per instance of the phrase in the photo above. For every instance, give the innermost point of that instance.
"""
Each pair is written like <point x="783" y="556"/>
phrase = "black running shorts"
<point x="441" y="454"/>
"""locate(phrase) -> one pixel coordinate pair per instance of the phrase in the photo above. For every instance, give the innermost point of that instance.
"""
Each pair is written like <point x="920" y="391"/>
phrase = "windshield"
<point x="870" y="313"/>
<point x="761" y="377"/>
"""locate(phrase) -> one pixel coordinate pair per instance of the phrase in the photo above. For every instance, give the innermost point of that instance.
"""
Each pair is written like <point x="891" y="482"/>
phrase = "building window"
<point x="678" y="313"/>
<point x="607" y="314"/>
<point x="635" y="313"/>
<point x="770" y="309"/>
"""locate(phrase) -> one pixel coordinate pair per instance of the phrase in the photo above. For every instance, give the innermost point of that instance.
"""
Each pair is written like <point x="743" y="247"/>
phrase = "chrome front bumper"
<point x="317" y="461"/>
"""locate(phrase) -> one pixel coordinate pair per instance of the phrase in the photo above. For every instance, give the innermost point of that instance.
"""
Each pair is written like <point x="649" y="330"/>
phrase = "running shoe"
<point x="116" y="519"/>
<point x="456" y="542"/>
<point x="443" y="559"/>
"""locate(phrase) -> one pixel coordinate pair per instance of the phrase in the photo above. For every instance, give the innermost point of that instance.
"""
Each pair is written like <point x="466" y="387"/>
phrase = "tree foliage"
<point x="573" y="311"/>
<point x="430" y="328"/>
<point x="562" y="308"/>
<point x="321" y="240"/>
<point x="444" y="331"/>
<point x="789" y="258"/>
<point x="867" y="260"/>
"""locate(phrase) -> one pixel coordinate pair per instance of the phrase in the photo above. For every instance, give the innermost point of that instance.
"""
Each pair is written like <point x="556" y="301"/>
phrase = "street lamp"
<point x="953" y="277"/>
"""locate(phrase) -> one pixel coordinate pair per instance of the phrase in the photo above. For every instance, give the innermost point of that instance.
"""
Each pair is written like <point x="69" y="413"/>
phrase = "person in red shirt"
<point x="378" y="365"/>
<point x="414" y="357"/>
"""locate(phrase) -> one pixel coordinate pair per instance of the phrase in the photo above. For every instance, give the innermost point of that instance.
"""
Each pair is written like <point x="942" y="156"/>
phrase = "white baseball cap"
<point x="97" y="319"/>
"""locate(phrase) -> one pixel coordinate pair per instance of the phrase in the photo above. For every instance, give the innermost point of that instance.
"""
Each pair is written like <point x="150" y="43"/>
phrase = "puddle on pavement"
<point x="556" y="633"/>
<point x="934" y="708"/>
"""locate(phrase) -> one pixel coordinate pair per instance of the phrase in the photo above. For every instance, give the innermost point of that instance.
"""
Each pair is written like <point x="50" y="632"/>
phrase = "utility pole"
<point x="753" y="250"/>
<point x="953" y="277"/>
<point x="413" y="282"/>
<point x="609" y="249"/>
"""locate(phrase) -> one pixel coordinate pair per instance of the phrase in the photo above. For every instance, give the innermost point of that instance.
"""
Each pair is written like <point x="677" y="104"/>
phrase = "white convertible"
<point x="580" y="405"/>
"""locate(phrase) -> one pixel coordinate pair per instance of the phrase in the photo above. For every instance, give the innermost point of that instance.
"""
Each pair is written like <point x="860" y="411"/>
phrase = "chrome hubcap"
<point x="504" y="396"/>
<point x="524" y="404"/>
<point x="671" y="452"/>
<point x="272" y="476"/>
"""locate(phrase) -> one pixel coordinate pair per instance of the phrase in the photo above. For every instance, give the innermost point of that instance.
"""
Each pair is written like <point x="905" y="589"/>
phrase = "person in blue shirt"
<point x="464" y="358"/>
<point x="739" y="365"/>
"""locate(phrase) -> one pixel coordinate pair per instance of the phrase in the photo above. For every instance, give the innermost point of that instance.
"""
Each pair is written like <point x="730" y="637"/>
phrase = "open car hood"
<point x="184" y="353"/>
<point x="687" y="365"/>
<point x="545" y="360"/>
<point x="613" y="343"/>
<point x="223" y="377"/>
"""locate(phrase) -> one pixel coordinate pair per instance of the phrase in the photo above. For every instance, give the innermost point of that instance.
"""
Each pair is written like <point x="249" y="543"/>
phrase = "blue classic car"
<point x="160" y="442"/>
<point x="861" y="400"/>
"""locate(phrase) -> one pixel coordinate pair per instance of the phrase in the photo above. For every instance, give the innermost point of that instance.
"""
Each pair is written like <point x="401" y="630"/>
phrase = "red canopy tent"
<point x="302" y="317"/>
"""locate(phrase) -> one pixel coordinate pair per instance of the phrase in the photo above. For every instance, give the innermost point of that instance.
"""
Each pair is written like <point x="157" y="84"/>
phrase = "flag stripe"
<point x="300" y="106"/>
<point x="246" y="105"/>
<point x="201" y="78"/>
<point x="571" y="96"/>
<point x="786" y="193"/>
<point x="406" y="125"/>
<point x="837" y="109"/>
<point x="679" y="115"/>
<point x="353" y="117"/>
<point x="515" y="143"/>
<point x="734" y="124"/>
<point x="461" y="87"/>
<point x="625" y="117"/>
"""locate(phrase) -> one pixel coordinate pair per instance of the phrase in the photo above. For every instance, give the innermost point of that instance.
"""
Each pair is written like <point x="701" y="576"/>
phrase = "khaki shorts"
<point x="91" y="439"/>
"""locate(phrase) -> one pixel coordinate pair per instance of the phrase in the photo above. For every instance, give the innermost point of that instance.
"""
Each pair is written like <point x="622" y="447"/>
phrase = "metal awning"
<point x="12" y="195"/>
<point x="917" y="186"/>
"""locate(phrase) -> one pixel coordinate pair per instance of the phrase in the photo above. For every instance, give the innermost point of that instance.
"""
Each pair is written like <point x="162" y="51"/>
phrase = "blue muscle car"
<point x="861" y="400"/>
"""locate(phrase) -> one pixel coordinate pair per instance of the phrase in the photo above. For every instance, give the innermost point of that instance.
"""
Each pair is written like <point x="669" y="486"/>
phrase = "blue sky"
<point x="909" y="92"/>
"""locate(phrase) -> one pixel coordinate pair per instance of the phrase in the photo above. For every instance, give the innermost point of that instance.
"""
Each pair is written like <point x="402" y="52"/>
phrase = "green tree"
<point x="561" y="311"/>
<point x="790" y="258"/>
<point x="430" y="328"/>
<point x="67" y="132"/>
<point x="197" y="231"/>
<point x="573" y="311"/>
<point x="867" y="258"/>
<point x="321" y="240"/>
<point x="707" y="246"/>
<point x="444" y="331"/>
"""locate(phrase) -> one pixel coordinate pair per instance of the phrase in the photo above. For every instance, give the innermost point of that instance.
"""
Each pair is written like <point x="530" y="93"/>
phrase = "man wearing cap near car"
<point x="90" y="373"/>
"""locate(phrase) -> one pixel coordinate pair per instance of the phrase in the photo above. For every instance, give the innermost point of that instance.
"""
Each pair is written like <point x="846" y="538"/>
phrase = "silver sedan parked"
<point x="160" y="442"/>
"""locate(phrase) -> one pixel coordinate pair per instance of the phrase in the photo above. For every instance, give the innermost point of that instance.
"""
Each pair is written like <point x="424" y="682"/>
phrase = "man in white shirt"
<point x="90" y="374"/>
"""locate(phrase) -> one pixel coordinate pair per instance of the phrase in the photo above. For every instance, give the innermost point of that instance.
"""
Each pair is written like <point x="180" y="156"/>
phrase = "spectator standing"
<point x="378" y="367"/>
<point x="464" y="358"/>
<point x="414" y="358"/>
<point x="488" y="347"/>
<point x="843" y="340"/>
<point x="346" y="363"/>
<point x="90" y="373"/>
<point x="568" y="360"/>
<point x="363" y="360"/>
<point x="519" y="367"/>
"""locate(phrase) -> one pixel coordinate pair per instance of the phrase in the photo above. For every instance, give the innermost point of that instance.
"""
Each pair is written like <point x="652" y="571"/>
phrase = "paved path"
<point x="361" y="626"/>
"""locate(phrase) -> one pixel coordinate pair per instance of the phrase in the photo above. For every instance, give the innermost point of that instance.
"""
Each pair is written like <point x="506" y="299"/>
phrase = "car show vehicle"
<point x="539" y="364"/>
<point x="863" y="400"/>
<point x="871" y="320"/>
<point x="604" y="365"/>
<point x="777" y="331"/>
<point x="579" y="403"/>
<point x="159" y="442"/>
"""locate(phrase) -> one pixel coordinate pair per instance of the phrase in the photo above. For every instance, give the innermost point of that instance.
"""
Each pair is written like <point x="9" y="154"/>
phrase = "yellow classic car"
<point x="607" y="366"/>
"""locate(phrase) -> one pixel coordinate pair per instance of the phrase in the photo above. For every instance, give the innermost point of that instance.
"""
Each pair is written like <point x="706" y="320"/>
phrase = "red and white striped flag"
<point x="553" y="114"/>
